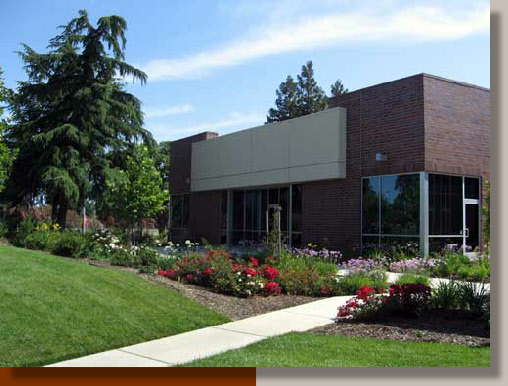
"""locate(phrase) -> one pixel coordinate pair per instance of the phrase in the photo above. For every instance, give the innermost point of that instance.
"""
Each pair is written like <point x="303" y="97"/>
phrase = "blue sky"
<point x="215" y="65"/>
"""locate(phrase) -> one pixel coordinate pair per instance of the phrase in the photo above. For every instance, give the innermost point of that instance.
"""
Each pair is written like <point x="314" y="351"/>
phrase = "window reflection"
<point x="445" y="205"/>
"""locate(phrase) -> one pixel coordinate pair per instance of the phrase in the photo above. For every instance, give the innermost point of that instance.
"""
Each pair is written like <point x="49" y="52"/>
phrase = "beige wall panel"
<point x="308" y="148"/>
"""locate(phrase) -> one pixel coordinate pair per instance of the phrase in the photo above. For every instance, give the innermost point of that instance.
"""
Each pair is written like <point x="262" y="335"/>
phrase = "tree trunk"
<point x="62" y="215"/>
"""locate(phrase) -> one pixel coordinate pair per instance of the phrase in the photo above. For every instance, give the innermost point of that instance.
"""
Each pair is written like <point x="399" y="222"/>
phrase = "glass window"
<point x="179" y="211"/>
<point x="370" y="205"/>
<point x="224" y="209"/>
<point x="284" y="202"/>
<point x="472" y="188"/>
<point x="445" y="205"/>
<point x="400" y="204"/>
<point x="296" y="202"/>
<point x="238" y="207"/>
<point x="438" y="244"/>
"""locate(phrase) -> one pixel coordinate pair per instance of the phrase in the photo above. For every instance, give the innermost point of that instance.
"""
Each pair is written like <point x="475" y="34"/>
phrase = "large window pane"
<point x="400" y="204"/>
<point x="438" y="244"/>
<point x="284" y="202"/>
<point x="472" y="188"/>
<point x="223" y="209"/>
<point x="445" y="205"/>
<point x="179" y="211"/>
<point x="370" y="205"/>
<point x="238" y="207"/>
<point x="296" y="202"/>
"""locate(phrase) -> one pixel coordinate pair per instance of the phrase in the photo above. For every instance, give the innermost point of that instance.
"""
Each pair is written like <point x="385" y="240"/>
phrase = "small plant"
<point x="446" y="295"/>
<point x="349" y="284"/>
<point x="411" y="278"/>
<point x="473" y="297"/>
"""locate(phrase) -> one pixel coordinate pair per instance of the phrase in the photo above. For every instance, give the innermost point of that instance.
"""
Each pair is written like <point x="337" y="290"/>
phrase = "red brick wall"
<point x="387" y="118"/>
<point x="202" y="212"/>
<point x="457" y="128"/>
<point x="204" y="216"/>
<point x="180" y="165"/>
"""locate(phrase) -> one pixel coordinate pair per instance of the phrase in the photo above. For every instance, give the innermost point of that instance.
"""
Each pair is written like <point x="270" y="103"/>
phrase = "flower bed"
<point x="288" y="274"/>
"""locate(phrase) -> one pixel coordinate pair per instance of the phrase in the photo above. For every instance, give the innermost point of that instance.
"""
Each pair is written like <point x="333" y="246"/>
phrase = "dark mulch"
<point x="234" y="308"/>
<point x="437" y="326"/>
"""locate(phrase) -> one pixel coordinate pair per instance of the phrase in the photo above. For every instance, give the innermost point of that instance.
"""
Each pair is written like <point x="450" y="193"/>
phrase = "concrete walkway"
<point x="181" y="348"/>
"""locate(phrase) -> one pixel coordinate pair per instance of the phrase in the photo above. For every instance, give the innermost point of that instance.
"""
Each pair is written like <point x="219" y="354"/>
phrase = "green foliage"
<point x="37" y="240"/>
<point x="295" y="99"/>
<point x="137" y="192"/>
<point x="65" y="243"/>
<point x="353" y="282"/>
<point x="411" y="278"/>
<point x="486" y="211"/>
<point x="148" y="257"/>
<point x="4" y="228"/>
<point x="25" y="227"/>
<point x="165" y="263"/>
<point x="446" y="295"/>
<point x="474" y="298"/>
<point x="6" y="155"/>
<point x="338" y="88"/>
<point x="73" y="120"/>
<point x="124" y="258"/>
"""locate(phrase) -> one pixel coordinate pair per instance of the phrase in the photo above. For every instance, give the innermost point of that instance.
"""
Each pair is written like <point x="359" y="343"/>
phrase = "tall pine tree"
<point x="295" y="99"/>
<point x="338" y="88"/>
<point x="286" y="102"/>
<point x="311" y="97"/>
<point x="74" y="121"/>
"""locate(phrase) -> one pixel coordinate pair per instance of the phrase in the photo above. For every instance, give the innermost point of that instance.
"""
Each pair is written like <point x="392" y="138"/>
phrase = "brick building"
<point x="398" y="162"/>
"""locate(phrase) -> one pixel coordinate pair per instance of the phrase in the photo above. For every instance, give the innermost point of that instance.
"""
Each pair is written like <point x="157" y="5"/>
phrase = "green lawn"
<point x="308" y="350"/>
<point x="52" y="309"/>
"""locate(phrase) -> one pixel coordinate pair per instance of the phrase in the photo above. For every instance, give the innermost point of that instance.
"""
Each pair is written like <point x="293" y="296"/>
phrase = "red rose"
<point x="207" y="271"/>
<point x="272" y="288"/>
<point x="160" y="272"/>
<point x="254" y="262"/>
<point x="271" y="273"/>
<point x="250" y="271"/>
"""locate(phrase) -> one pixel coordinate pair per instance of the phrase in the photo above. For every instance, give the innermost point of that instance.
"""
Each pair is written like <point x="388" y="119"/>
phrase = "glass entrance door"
<point x="472" y="229"/>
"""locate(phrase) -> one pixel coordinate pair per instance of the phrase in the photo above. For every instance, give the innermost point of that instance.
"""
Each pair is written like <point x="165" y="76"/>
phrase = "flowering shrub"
<point x="408" y="299"/>
<point x="325" y="254"/>
<point x="363" y="266"/>
<point x="415" y="265"/>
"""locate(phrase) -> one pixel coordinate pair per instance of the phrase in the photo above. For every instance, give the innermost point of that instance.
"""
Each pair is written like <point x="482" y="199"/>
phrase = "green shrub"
<point x="309" y="276"/>
<point x="4" y="228"/>
<point x="148" y="257"/>
<point x="446" y="295"/>
<point x="24" y="228"/>
<point x="412" y="278"/>
<point x="349" y="284"/>
<point x="166" y="263"/>
<point x="150" y="270"/>
<point x="474" y="297"/>
<point x="37" y="240"/>
<point x="66" y="243"/>
<point x="124" y="258"/>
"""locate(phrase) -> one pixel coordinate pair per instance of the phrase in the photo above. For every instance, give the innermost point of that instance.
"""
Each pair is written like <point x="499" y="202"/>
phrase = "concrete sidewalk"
<point x="181" y="348"/>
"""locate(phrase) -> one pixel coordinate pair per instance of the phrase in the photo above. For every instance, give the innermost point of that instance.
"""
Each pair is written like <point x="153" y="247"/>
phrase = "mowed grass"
<point x="52" y="309"/>
<point x="309" y="350"/>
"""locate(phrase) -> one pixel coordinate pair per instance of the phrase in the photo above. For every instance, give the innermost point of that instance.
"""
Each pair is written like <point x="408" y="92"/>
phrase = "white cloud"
<point x="156" y="112"/>
<point x="417" y="24"/>
<point x="234" y="121"/>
